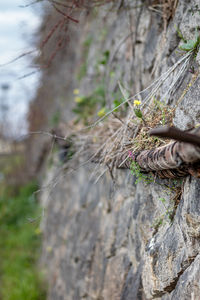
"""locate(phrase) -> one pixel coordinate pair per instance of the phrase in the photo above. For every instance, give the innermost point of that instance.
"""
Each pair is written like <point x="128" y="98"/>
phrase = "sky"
<point x="18" y="25"/>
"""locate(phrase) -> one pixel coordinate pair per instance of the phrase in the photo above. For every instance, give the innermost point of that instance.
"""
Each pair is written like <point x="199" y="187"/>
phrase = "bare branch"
<point x="176" y="134"/>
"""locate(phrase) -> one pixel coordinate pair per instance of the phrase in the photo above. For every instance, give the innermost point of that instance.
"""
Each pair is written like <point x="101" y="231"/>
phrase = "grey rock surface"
<point x="113" y="240"/>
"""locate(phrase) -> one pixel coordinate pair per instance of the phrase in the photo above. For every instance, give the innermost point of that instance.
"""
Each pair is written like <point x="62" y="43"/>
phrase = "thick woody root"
<point x="177" y="159"/>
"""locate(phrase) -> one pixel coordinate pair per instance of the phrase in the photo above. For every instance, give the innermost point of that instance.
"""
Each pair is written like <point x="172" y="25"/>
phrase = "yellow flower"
<point x="77" y="99"/>
<point x="136" y="102"/>
<point x="101" y="113"/>
<point x="38" y="231"/>
<point x="49" y="249"/>
<point x="76" y="91"/>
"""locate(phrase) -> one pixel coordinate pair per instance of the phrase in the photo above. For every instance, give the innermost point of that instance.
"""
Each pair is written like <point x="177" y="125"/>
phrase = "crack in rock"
<point x="173" y="283"/>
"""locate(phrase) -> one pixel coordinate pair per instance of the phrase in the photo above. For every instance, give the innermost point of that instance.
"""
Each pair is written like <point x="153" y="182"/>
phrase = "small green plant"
<point x="158" y="113"/>
<point x="137" y="109"/>
<point x="117" y="101"/>
<point x="179" y="33"/>
<point x="195" y="9"/>
<point x="166" y="217"/>
<point x="105" y="57"/>
<point x="160" y="106"/>
<point x="170" y="189"/>
<point x="136" y="171"/>
<point x="87" y="106"/>
<point x="102" y="112"/>
<point x="190" y="45"/>
<point x="157" y="223"/>
<point x="101" y="63"/>
<point x="138" y="113"/>
<point x="168" y="212"/>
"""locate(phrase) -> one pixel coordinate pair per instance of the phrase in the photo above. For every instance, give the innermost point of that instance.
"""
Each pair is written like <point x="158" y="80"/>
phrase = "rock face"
<point x="118" y="239"/>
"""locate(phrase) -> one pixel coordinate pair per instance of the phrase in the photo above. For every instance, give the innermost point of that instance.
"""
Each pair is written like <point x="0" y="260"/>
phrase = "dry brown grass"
<point x="154" y="117"/>
<point x="113" y="137"/>
<point x="166" y="8"/>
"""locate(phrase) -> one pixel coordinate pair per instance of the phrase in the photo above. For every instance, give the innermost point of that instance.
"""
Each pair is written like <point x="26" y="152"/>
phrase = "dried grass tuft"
<point x="109" y="139"/>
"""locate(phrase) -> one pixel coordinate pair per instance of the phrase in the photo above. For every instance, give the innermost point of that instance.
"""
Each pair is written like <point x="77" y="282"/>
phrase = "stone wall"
<point x="113" y="239"/>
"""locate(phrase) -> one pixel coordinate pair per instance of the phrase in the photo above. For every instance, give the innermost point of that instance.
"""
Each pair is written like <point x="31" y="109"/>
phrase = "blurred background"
<point x="18" y="26"/>
<point x="19" y="208"/>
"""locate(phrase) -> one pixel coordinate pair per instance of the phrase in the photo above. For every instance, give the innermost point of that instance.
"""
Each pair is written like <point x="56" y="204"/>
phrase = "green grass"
<point x="8" y="163"/>
<point x="19" y="245"/>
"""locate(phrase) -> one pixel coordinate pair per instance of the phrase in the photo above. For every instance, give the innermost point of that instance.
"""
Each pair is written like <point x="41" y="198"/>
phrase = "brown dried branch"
<point x="60" y="4"/>
<point x="66" y="16"/>
<point x="51" y="32"/>
<point x="60" y="45"/>
<point x="176" y="134"/>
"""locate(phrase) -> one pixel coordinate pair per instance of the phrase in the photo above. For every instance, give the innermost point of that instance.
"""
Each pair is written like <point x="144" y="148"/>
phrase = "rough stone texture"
<point x="169" y="256"/>
<point x="101" y="240"/>
<point x="188" y="112"/>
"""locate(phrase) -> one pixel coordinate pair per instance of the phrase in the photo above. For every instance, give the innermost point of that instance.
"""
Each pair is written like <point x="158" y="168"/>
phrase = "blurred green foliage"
<point x="19" y="244"/>
<point x="105" y="57"/>
<point x="9" y="163"/>
<point x="55" y="118"/>
<point x="86" y="106"/>
<point x="84" y="66"/>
